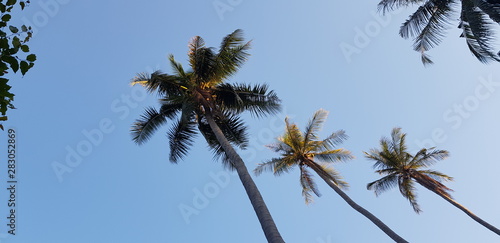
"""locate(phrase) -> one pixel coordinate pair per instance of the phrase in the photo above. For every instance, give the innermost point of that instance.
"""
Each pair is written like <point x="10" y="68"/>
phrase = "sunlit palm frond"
<point x="308" y="185"/>
<point x="335" y="155"/>
<point x="277" y="166"/>
<point x="383" y="184"/>
<point x="334" y="175"/>
<point x="144" y="127"/>
<point x="314" y="126"/>
<point x="329" y="143"/>
<point x="293" y="137"/>
<point x="257" y="99"/>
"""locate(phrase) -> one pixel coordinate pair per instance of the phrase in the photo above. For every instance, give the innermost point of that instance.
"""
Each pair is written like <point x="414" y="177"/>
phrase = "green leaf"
<point x="22" y="5"/>
<point x="11" y="2"/>
<point x="24" y="28"/>
<point x="2" y="7"/>
<point x="12" y="61"/>
<point x="13" y="29"/>
<point x="16" y="42"/>
<point x="25" y="48"/>
<point x="31" y="58"/>
<point x="6" y="17"/>
<point x="24" y="67"/>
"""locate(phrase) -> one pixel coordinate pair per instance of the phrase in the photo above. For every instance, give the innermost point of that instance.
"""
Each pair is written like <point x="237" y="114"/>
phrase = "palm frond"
<point x="241" y="97"/>
<point x="233" y="129"/>
<point x="314" y="126"/>
<point x="277" y="166"/>
<point x="161" y="83"/>
<point x="177" y="67"/>
<point x="293" y="137"/>
<point x="181" y="137"/>
<point x="491" y="8"/>
<point x="427" y="25"/>
<point x="336" y="155"/>
<point x="334" y="175"/>
<point x="407" y="189"/>
<point x="330" y="142"/>
<point x="383" y="184"/>
<point x="308" y="185"/>
<point x="389" y="5"/>
<point x="232" y="54"/>
<point x="423" y="158"/>
<point x="477" y="32"/>
<point x="202" y="61"/>
<point x="436" y="175"/>
<point x="431" y="184"/>
<point x="144" y="127"/>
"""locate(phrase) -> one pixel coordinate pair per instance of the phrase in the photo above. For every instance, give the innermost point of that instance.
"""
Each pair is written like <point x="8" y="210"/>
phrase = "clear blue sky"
<point x="78" y="98"/>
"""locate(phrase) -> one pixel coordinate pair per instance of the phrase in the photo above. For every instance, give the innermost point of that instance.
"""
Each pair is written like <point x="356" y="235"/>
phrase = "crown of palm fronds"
<point x="186" y="96"/>
<point x="399" y="168"/>
<point x="303" y="148"/>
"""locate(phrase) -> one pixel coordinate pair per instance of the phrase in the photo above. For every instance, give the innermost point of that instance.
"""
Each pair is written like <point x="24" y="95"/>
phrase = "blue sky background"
<point x="88" y="51"/>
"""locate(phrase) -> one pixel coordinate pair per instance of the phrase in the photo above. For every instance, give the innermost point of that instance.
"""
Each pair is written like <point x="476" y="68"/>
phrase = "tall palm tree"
<point x="199" y="100"/>
<point x="403" y="169"/>
<point x="428" y="24"/>
<point x="307" y="151"/>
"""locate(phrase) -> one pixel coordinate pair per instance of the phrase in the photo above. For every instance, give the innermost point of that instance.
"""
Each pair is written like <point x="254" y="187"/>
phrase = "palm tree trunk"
<point x="354" y="205"/>
<point x="464" y="209"/>
<point x="267" y="223"/>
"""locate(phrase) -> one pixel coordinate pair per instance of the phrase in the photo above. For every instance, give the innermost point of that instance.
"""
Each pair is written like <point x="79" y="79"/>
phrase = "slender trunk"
<point x="354" y="205"/>
<point x="266" y="221"/>
<point x="464" y="209"/>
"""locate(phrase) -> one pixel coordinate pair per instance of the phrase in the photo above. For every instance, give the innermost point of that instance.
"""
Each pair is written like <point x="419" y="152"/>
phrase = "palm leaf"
<point x="314" y="126"/>
<point x="232" y="54"/>
<point x="389" y="5"/>
<point x="257" y="99"/>
<point x="491" y="8"/>
<point x="383" y="184"/>
<point x="181" y="137"/>
<point x="336" y="155"/>
<point x="477" y="32"/>
<point x="407" y="189"/>
<point x="144" y="127"/>
<point x="308" y="185"/>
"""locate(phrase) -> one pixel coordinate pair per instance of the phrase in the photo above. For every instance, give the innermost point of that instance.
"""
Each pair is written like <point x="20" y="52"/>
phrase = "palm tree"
<point x="428" y="24"/>
<point x="199" y="100"/>
<point x="403" y="169"/>
<point x="307" y="151"/>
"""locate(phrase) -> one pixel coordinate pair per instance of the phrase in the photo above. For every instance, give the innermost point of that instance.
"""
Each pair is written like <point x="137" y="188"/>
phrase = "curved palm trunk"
<point x="354" y="205"/>
<point x="464" y="209"/>
<point x="268" y="226"/>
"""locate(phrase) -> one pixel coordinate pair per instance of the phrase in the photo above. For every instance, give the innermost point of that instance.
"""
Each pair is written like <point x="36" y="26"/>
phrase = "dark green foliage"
<point x="187" y="96"/>
<point x="427" y="26"/>
<point x="14" y="51"/>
